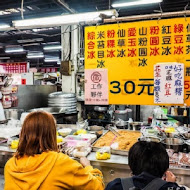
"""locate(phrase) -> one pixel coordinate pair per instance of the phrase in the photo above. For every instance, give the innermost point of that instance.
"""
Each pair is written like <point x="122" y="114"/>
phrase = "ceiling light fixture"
<point x="63" y="19"/>
<point x="35" y="55"/>
<point x="4" y="27"/>
<point x="14" y="50"/>
<point x="139" y="2"/>
<point x="51" y="60"/>
<point x="4" y="58"/>
<point x="52" y="47"/>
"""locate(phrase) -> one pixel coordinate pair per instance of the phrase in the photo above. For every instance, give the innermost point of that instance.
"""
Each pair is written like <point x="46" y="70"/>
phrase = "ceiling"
<point x="10" y="10"/>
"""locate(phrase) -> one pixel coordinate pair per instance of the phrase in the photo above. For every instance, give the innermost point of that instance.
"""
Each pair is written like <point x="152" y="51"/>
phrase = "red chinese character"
<point x="178" y="28"/>
<point x="132" y="32"/>
<point x="132" y="52"/>
<point x="111" y="43"/>
<point x="178" y="50"/>
<point x="91" y="36"/>
<point x="132" y="42"/>
<point x="154" y="51"/>
<point x="154" y="30"/>
<point x="167" y="88"/>
<point x="157" y="70"/>
<point x="110" y="33"/>
<point x="178" y="39"/>
<point x="91" y="55"/>
<point x="91" y="45"/>
<point x="154" y="40"/>
<point x="110" y="53"/>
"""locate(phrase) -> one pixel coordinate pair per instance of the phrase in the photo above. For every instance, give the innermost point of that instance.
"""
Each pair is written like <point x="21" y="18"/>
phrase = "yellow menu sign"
<point x="130" y="50"/>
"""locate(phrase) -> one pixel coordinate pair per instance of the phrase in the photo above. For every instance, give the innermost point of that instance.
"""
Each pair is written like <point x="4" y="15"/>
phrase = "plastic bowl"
<point x="64" y="131"/>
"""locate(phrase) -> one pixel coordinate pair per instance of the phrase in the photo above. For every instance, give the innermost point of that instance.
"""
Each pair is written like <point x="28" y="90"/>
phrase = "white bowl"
<point x="64" y="131"/>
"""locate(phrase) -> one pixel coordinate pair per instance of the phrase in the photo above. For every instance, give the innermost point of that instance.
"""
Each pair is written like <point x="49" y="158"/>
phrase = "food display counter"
<point x="115" y="167"/>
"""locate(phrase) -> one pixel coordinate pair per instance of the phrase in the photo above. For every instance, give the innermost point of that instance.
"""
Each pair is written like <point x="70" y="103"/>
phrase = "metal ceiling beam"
<point x="148" y="16"/>
<point x="65" y="6"/>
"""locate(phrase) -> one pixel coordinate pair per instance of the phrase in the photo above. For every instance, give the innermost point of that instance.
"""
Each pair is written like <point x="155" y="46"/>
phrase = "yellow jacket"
<point x="50" y="171"/>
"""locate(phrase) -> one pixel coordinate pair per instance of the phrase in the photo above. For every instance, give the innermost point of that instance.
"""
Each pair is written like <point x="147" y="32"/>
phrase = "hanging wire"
<point x="22" y="9"/>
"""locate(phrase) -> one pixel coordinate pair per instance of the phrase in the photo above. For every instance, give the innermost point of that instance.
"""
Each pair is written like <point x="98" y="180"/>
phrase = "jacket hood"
<point x="29" y="172"/>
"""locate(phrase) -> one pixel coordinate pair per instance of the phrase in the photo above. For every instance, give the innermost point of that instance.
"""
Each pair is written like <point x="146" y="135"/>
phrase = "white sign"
<point x="96" y="86"/>
<point x="169" y="83"/>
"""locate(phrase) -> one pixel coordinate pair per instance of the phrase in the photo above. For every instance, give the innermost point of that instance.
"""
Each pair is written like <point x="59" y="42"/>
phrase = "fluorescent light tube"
<point x="35" y="55"/>
<point x="51" y="60"/>
<point x="63" y="19"/>
<point x="4" y="26"/>
<point x="139" y="2"/>
<point x="53" y="47"/>
<point x="4" y="58"/>
<point x="14" y="50"/>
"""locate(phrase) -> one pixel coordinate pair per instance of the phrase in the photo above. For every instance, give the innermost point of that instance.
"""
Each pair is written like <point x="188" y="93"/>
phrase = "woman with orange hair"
<point x="37" y="163"/>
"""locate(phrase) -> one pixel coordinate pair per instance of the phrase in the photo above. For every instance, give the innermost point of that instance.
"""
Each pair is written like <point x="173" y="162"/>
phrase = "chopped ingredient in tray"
<point x="125" y="141"/>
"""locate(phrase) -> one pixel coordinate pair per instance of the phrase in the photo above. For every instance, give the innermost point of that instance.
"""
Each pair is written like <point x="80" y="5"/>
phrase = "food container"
<point x="64" y="131"/>
<point x="97" y="130"/>
<point x="173" y="143"/>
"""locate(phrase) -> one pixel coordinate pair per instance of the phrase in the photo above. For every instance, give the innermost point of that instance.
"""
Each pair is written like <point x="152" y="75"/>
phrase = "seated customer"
<point x="148" y="162"/>
<point x="37" y="163"/>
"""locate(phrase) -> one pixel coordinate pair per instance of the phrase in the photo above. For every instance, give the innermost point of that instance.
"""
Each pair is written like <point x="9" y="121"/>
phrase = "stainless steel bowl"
<point x="173" y="143"/>
<point x="52" y="110"/>
<point x="98" y="130"/>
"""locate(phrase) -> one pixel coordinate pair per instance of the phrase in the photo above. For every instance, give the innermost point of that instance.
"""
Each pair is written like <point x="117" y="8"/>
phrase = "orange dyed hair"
<point x="38" y="134"/>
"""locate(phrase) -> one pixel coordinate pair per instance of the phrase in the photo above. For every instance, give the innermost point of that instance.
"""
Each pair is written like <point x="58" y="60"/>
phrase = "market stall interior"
<point x="110" y="76"/>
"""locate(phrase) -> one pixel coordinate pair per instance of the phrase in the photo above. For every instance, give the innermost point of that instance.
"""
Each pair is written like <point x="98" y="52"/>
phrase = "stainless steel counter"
<point x="116" y="167"/>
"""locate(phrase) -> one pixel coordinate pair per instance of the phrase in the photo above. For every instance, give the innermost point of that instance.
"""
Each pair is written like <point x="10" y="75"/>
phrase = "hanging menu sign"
<point x="96" y="86"/>
<point x="169" y="83"/>
<point x="130" y="50"/>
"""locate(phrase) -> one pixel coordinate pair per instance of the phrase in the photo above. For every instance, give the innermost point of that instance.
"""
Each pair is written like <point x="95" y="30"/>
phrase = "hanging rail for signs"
<point x="148" y="16"/>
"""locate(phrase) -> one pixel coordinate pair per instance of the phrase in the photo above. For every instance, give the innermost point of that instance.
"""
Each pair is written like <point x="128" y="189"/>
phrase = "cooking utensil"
<point x="114" y="131"/>
<point x="173" y="143"/>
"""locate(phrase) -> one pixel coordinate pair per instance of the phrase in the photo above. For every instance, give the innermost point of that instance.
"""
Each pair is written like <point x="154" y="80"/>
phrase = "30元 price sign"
<point x="130" y="50"/>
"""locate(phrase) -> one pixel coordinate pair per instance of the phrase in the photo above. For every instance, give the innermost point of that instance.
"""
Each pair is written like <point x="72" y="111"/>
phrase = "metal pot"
<point x="135" y="126"/>
<point x="96" y="130"/>
<point x="173" y="143"/>
<point x="151" y="139"/>
<point x="121" y="123"/>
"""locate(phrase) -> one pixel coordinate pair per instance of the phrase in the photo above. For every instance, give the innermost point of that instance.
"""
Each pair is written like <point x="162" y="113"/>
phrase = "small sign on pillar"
<point x="96" y="86"/>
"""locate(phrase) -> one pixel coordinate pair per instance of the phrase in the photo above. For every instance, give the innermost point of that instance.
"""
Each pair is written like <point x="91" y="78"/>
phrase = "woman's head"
<point x="148" y="157"/>
<point x="38" y="134"/>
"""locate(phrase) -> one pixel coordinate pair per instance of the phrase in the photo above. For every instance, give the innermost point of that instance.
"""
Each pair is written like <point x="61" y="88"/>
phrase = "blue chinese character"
<point x="157" y="82"/>
<point x="157" y="88"/>
<point x="178" y="75"/>
<point x="178" y="91"/>
<point x="177" y="68"/>
<point x="178" y="83"/>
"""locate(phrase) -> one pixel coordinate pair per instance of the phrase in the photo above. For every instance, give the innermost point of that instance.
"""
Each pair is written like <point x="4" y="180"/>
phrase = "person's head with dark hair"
<point x="150" y="157"/>
<point x="38" y="134"/>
